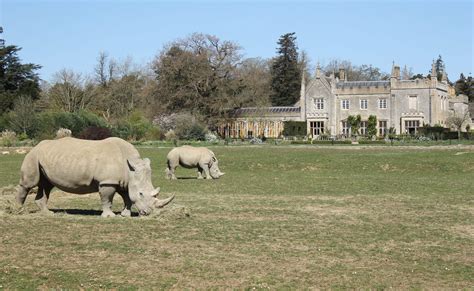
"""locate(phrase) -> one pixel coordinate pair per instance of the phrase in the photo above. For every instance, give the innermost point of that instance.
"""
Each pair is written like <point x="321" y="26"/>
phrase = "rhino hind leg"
<point x="127" y="210"/>
<point x="106" y="196"/>
<point x="42" y="197"/>
<point x="171" y="168"/>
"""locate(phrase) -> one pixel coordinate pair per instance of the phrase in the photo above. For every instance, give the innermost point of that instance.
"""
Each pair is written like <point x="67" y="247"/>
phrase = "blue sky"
<point x="70" y="34"/>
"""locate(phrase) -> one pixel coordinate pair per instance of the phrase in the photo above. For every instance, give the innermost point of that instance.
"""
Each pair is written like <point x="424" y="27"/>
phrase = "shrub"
<point x="135" y="127"/>
<point x="372" y="126"/>
<point x="325" y="142"/>
<point x="8" y="138"/>
<point x="211" y="137"/>
<point x="294" y="128"/>
<point x="170" y="135"/>
<point x="154" y="133"/>
<point x="256" y="140"/>
<point x="95" y="133"/>
<point x="187" y="127"/>
<point x="63" y="132"/>
<point x="371" y="141"/>
<point x="50" y="122"/>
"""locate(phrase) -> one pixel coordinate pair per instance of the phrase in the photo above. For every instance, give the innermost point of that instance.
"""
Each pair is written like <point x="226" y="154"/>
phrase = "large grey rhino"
<point x="85" y="166"/>
<point x="193" y="157"/>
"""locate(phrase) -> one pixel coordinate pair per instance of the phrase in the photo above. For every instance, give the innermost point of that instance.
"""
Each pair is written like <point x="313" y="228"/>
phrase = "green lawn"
<point x="281" y="217"/>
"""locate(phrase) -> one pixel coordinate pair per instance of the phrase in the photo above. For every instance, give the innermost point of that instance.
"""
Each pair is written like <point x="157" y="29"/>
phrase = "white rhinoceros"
<point x="85" y="166"/>
<point x="190" y="157"/>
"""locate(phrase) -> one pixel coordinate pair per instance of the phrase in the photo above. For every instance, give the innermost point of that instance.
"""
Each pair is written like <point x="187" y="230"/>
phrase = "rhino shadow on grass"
<point x="83" y="212"/>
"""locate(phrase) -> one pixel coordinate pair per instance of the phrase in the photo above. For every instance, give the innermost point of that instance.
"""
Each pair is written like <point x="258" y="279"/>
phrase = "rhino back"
<point x="76" y="165"/>
<point x="189" y="156"/>
<point x="127" y="149"/>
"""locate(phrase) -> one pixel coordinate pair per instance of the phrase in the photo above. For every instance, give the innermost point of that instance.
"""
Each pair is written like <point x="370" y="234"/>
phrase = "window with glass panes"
<point x="316" y="127"/>
<point x="363" y="128"/>
<point x="345" y="128"/>
<point x="345" y="104"/>
<point x="319" y="103"/>
<point x="411" y="126"/>
<point x="382" y="127"/>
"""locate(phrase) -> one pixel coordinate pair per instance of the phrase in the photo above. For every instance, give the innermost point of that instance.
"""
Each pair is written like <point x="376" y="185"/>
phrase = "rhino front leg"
<point x="205" y="168"/>
<point x="106" y="196"/>
<point x="127" y="210"/>
<point x="200" y="170"/>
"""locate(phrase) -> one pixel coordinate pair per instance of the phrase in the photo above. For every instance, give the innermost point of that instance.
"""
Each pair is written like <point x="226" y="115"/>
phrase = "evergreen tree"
<point x="461" y="85"/>
<point x="16" y="79"/>
<point x="440" y="67"/>
<point x="286" y="73"/>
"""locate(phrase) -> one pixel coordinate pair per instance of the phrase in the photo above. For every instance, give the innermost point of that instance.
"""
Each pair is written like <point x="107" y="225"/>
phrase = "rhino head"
<point x="214" y="169"/>
<point x="141" y="190"/>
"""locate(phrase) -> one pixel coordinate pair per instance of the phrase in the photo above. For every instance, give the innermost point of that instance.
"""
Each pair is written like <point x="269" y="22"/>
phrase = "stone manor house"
<point x="326" y="102"/>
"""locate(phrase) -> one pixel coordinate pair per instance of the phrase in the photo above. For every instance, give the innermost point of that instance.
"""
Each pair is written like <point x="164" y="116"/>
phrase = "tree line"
<point x="193" y="80"/>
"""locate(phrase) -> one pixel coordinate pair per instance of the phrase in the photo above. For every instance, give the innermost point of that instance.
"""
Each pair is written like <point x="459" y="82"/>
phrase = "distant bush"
<point x="294" y="128"/>
<point x="50" y="122"/>
<point x="255" y="140"/>
<point x="95" y="133"/>
<point x="63" y="132"/>
<point x="211" y="137"/>
<point x="134" y="128"/>
<point x="328" y="142"/>
<point x="154" y="133"/>
<point x="8" y="138"/>
<point x="372" y="142"/>
<point x="170" y="135"/>
<point x="188" y="127"/>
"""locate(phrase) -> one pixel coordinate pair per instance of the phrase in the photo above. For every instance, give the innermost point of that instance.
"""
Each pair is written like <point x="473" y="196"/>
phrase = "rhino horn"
<point x="164" y="202"/>
<point x="155" y="192"/>
<point x="221" y="174"/>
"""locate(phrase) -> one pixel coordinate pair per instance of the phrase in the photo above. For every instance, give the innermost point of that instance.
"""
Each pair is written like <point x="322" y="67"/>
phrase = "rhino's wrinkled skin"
<point x="193" y="157"/>
<point x="78" y="166"/>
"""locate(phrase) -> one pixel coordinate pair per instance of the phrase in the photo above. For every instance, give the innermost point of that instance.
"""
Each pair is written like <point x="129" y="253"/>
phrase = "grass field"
<point x="281" y="217"/>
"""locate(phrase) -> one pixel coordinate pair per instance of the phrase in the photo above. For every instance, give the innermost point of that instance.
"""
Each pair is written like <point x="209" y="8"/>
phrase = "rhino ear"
<point x="214" y="159"/>
<point x="133" y="164"/>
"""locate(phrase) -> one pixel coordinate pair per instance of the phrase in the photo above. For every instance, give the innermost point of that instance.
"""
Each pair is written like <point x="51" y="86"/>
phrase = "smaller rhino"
<point x="191" y="157"/>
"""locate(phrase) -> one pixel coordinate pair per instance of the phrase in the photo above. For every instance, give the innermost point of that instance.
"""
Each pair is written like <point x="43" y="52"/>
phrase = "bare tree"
<point x="255" y="83"/>
<point x="198" y="74"/>
<point x="23" y="116"/>
<point x="355" y="73"/>
<point x="70" y="91"/>
<point x="100" y="69"/>
<point x="458" y="120"/>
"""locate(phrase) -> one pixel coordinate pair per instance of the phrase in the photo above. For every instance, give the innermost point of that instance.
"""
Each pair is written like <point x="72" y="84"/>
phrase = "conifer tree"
<point x="286" y="73"/>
